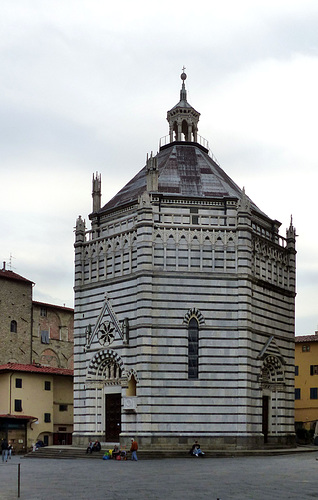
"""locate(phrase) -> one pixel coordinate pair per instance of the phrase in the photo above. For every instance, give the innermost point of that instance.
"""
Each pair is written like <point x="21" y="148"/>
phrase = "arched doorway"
<point x="106" y="374"/>
<point x="272" y="385"/>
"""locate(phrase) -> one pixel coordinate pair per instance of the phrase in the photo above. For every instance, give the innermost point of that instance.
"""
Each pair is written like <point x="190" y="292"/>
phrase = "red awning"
<point x="19" y="417"/>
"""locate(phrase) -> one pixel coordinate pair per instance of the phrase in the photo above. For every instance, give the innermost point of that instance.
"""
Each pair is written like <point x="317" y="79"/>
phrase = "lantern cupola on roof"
<point x="183" y="118"/>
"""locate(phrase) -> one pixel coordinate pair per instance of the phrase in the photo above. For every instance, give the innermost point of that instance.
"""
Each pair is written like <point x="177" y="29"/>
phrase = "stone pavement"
<point x="277" y="477"/>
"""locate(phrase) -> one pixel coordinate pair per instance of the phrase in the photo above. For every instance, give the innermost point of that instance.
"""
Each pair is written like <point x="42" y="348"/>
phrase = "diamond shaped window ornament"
<point x="106" y="333"/>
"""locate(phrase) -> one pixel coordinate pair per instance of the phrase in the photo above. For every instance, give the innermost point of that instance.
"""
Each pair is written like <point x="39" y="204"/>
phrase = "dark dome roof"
<point x="185" y="169"/>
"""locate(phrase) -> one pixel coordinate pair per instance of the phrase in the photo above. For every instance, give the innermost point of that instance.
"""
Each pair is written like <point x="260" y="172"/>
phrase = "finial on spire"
<point x="183" y="92"/>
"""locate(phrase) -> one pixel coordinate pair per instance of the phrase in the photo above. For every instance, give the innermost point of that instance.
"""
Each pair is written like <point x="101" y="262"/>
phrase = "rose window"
<point x="106" y="333"/>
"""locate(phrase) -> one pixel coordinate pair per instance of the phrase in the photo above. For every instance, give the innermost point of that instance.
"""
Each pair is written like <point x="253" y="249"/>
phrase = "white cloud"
<point x="85" y="86"/>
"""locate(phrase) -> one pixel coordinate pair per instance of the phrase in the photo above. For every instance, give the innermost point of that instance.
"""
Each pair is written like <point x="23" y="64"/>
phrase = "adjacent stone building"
<point x="16" y="317"/>
<point x="32" y="331"/>
<point x="52" y="335"/>
<point x="184" y="307"/>
<point x="36" y="366"/>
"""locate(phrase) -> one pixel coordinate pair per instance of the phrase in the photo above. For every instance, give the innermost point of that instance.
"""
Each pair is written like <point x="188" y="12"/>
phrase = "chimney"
<point x="4" y="266"/>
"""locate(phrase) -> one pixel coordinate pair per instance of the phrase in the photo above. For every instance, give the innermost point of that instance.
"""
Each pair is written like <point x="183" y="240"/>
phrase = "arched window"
<point x="13" y="326"/>
<point x="193" y="348"/>
<point x="185" y="130"/>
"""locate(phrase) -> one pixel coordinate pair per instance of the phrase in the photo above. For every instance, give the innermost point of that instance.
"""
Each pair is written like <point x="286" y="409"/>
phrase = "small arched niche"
<point x="131" y="389"/>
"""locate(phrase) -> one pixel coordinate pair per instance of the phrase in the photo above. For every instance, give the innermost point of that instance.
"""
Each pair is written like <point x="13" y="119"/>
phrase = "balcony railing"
<point x="200" y="140"/>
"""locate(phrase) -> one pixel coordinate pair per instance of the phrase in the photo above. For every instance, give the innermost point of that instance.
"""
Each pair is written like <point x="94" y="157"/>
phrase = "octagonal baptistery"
<point x="184" y="308"/>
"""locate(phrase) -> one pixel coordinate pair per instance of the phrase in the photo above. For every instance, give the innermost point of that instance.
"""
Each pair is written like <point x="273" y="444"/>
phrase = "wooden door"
<point x="113" y="417"/>
<point x="265" y="418"/>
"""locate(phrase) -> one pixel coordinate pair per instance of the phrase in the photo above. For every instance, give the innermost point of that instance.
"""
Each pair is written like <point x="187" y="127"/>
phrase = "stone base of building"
<point x="184" y="443"/>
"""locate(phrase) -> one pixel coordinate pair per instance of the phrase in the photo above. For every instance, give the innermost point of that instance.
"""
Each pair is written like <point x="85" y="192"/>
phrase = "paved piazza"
<point x="257" y="478"/>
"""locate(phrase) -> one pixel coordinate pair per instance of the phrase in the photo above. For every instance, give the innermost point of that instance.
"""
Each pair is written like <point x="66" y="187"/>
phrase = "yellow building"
<point x="306" y="381"/>
<point x="36" y="403"/>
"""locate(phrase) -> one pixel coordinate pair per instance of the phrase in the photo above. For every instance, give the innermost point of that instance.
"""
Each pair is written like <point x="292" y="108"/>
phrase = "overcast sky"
<point x="85" y="86"/>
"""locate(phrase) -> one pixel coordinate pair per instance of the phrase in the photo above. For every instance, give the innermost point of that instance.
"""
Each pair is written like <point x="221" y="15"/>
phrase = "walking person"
<point x="4" y="448"/>
<point x="133" y="449"/>
<point x="10" y="448"/>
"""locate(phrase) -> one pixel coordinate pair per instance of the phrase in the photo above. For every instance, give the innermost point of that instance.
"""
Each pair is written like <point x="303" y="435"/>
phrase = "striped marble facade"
<point x="157" y="264"/>
<point x="184" y="307"/>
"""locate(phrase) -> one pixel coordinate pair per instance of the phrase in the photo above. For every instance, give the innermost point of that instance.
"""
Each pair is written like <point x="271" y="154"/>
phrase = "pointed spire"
<point x="291" y="231"/>
<point x="96" y="191"/>
<point x="80" y="230"/>
<point x="244" y="204"/>
<point x="183" y="92"/>
<point x="152" y="173"/>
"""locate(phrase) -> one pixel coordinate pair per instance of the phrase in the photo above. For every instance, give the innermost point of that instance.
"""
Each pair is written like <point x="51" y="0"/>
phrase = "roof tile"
<point x="35" y="369"/>
<point x="4" y="273"/>
<point x="306" y="338"/>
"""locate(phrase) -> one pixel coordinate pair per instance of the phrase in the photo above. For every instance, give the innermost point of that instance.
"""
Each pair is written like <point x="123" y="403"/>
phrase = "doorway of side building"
<point x="113" y="417"/>
<point x="62" y="438"/>
<point x="15" y="430"/>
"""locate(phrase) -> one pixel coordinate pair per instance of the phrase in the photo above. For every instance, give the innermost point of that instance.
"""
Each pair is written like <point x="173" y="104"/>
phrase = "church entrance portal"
<point x="113" y="417"/>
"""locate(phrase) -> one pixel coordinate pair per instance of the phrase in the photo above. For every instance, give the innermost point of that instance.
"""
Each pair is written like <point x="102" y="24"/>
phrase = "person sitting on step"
<point x="115" y="452"/>
<point x="96" y="446"/>
<point x="89" y="448"/>
<point x="196" y="450"/>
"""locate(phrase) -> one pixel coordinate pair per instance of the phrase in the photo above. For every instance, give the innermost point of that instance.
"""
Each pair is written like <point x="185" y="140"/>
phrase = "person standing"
<point x="10" y="448"/>
<point x="133" y="449"/>
<point x="4" y="448"/>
